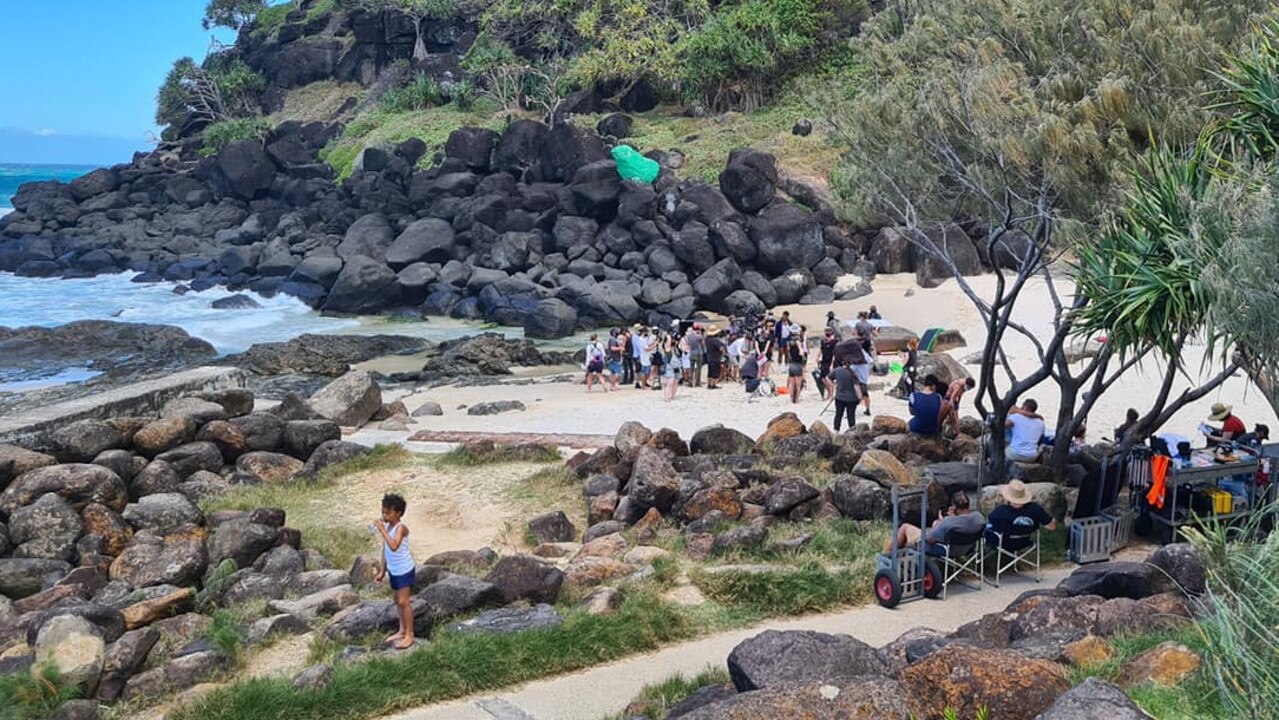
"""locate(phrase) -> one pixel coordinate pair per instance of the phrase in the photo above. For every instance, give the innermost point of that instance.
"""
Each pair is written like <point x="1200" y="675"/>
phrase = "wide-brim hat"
<point x="1221" y="411"/>
<point x="713" y="330"/>
<point x="1015" y="492"/>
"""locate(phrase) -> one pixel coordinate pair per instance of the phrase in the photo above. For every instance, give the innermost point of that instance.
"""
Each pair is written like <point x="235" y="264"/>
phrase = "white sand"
<point x="562" y="407"/>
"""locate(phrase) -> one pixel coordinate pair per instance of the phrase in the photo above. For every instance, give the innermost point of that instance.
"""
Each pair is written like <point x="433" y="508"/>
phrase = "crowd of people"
<point x="836" y="364"/>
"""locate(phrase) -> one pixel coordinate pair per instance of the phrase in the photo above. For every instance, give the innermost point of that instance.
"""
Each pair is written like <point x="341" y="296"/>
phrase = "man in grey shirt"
<point x="847" y="394"/>
<point x="696" y="354"/>
<point x="960" y="518"/>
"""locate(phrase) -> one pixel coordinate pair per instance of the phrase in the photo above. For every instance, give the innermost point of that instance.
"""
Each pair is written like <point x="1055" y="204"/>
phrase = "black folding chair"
<point x="962" y="552"/>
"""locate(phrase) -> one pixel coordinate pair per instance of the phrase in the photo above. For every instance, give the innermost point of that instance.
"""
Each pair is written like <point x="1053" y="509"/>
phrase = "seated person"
<point x="1027" y="428"/>
<point x="1020" y="515"/>
<point x="1231" y="426"/>
<point x="1130" y="420"/>
<point x="1260" y="434"/>
<point x="960" y="517"/>
<point x="927" y="408"/>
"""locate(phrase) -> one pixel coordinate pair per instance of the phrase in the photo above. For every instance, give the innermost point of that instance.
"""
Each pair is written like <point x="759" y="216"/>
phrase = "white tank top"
<point x="399" y="561"/>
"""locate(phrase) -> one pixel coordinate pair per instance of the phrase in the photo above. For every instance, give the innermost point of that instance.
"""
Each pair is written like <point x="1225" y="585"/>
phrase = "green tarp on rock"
<point x="633" y="166"/>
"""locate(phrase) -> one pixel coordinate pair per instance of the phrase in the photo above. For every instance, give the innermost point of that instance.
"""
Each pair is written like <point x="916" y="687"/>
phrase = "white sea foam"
<point x="50" y="301"/>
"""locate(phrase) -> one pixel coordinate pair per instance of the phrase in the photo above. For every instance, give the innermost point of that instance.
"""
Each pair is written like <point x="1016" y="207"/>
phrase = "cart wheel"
<point x="888" y="590"/>
<point x="932" y="580"/>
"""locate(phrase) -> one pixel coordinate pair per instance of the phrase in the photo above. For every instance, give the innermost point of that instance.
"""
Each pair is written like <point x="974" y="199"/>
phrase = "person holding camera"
<point x="959" y="517"/>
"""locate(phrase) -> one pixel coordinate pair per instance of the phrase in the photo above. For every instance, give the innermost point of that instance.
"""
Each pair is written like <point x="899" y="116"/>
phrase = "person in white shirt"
<point x="1026" y="428"/>
<point x="735" y="349"/>
<point x="595" y="364"/>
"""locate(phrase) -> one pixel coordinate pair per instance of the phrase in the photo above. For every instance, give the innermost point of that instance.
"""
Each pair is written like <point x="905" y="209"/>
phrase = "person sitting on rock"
<point x="959" y="517"/>
<point x="927" y="408"/>
<point x="1017" y="520"/>
<point x="1027" y="432"/>
<point x="954" y="395"/>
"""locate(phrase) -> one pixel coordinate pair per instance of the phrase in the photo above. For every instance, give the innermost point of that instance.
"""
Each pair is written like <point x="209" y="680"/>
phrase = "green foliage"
<point x="1143" y="271"/>
<point x="238" y="84"/>
<point x="1240" y="619"/>
<point x="1193" y="699"/>
<point x="464" y="93"/>
<point x="472" y="456"/>
<point x="420" y="93"/>
<point x="224" y="633"/>
<point x="1250" y="97"/>
<point x="653" y="701"/>
<point x="171" y="102"/>
<point x="233" y="14"/>
<point x="786" y="592"/>
<point x="1049" y="101"/>
<point x="220" y="134"/>
<point x="738" y="55"/>
<point x="453" y="665"/>
<point x="27" y="697"/>
<point x="217" y="582"/>
<point x="271" y="18"/>
<point x="379" y="127"/>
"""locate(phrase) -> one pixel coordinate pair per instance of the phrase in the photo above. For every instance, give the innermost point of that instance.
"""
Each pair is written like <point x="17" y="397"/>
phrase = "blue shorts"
<point x="403" y="581"/>
<point x="615" y="367"/>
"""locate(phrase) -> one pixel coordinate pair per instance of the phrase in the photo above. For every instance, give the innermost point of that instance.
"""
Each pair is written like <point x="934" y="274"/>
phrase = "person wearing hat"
<point x="1231" y="426"/>
<point x="715" y="350"/>
<point x="1021" y="517"/>
<point x="832" y="322"/>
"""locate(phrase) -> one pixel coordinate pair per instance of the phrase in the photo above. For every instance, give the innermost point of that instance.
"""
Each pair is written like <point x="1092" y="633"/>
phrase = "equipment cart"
<point x="906" y="574"/>
<point x="1197" y="488"/>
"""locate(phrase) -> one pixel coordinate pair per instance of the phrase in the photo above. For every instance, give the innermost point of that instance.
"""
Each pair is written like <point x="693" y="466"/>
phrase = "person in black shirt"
<point x="715" y="350"/>
<point x="1019" y="519"/>
<point x="826" y="361"/>
<point x="847" y="394"/>
<point x="1130" y="419"/>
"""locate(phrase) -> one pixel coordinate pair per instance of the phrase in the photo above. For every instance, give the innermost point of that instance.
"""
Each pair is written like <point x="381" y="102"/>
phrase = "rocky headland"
<point x="528" y="226"/>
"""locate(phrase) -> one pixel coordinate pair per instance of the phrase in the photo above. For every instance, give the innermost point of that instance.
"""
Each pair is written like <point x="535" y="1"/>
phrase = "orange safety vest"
<point x="1159" y="480"/>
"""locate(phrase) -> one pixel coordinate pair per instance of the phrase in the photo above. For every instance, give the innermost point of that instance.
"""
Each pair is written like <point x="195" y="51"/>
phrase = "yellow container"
<point x="1222" y="501"/>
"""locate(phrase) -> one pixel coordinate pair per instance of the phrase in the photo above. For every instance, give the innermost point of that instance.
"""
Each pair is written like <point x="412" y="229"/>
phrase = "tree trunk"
<point x="1059" y="458"/>
<point x="996" y="463"/>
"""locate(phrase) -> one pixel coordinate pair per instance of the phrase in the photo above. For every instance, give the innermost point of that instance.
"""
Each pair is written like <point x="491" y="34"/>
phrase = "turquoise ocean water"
<point x="11" y="176"/>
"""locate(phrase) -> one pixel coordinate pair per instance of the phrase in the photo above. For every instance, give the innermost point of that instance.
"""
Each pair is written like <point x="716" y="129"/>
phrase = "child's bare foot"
<point x="393" y="638"/>
<point x="406" y="643"/>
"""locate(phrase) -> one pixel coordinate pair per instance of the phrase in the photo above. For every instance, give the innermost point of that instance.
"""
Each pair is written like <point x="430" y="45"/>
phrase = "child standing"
<point x="398" y="563"/>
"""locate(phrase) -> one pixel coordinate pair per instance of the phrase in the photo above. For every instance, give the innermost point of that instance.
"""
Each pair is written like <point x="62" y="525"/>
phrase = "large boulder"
<point x="1091" y="699"/>
<point x="719" y="440"/>
<point x="885" y="469"/>
<point x="77" y="484"/>
<point x="1181" y="565"/>
<point x="472" y="146"/>
<point x="864" y="698"/>
<point x="123" y="658"/>
<point x="1133" y="580"/>
<point x="333" y="452"/>
<point x="750" y="179"/>
<point x="521" y="577"/>
<point x="23" y="577"/>
<point x="713" y="287"/>
<point x="47" y="528"/>
<point x="427" y="240"/>
<point x="302" y="437"/>
<point x="15" y="461"/>
<point x="860" y="499"/>
<point x="456" y="594"/>
<point x="265" y="467"/>
<point x="775" y="658"/>
<point x="162" y="513"/>
<point x="186" y="460"/>
<point x="891" y="251"/>
<point x="369" y="236"/>
<point x="75" y="647"/>
<point x="551" y="318"/>
<point x="654" y="482"/>
<point x="967" y="679"/>
<point x="81" y="441"/>
<point x="786" y="495"/>
<point x="351" y="400"/>
<point x="241" y="540"/>
<point x="365" y="285"/>
<point x="247" y="168"/>
<point x="787" y="236"/>
<point x="164" y="434"/>
<point x="179" y="559"/>
<point x="261" y="431"/>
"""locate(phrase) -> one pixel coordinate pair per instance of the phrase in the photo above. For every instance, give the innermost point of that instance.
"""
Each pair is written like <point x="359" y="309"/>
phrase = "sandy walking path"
<point x="604" y="690"/>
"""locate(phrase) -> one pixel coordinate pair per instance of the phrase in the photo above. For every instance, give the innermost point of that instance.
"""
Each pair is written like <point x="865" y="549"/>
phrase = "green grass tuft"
<point x="27" y="697"/>
<point x="806" y="589"/>
<point x="453" y="665"/>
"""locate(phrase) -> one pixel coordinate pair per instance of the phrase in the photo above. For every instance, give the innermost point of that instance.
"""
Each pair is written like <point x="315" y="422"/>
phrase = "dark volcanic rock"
<point x="328" y="355"/>
<point x="774" y="658"/>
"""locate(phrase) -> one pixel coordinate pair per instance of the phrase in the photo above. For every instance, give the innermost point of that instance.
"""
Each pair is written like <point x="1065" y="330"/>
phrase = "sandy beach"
<point x="566" y="408"/>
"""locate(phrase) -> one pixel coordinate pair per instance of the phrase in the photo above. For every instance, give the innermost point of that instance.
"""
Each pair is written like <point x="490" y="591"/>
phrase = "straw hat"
<point x="1015" y="492"/>
<point x="1221" y="411"/>
<point x="713" y="330"/>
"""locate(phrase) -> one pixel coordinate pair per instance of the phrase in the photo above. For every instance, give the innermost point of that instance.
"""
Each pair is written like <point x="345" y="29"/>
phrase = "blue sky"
<point x="79" y="76"/>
